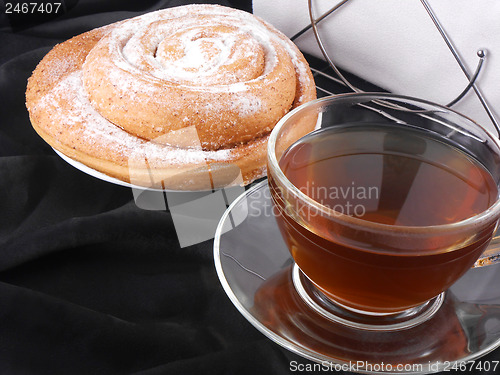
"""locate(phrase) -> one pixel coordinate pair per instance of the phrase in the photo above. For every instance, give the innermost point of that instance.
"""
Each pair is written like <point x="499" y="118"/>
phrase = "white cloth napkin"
<point x="395" y="45"/>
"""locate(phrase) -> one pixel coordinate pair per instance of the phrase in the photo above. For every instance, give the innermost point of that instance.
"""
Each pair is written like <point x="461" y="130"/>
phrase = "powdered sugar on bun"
<point x="185" y="88"/>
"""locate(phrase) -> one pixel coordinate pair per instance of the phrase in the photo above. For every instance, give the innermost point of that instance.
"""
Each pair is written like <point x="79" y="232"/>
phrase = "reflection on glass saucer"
<point x="256" y="271"/>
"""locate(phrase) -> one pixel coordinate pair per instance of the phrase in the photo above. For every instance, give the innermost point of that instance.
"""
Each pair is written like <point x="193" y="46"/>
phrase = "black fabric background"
<point x="89" y="283"/>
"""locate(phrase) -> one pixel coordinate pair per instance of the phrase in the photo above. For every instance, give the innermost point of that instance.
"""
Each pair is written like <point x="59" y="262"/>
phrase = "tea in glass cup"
<point x="385" y="205"/>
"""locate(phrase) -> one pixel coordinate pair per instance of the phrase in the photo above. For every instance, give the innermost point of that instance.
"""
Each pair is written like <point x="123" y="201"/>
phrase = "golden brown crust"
<point x="197" y="153"/>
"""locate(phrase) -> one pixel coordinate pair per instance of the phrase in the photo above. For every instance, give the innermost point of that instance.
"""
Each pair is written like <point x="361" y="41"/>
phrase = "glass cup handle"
<point x="492" y="254"/>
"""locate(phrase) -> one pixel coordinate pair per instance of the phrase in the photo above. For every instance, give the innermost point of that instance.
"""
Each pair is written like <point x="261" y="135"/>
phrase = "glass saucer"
<point x="256" y="271"/>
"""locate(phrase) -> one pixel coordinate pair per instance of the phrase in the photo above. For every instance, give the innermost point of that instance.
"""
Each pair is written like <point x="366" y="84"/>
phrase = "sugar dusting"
<point x="96" y="130"/>
<point x="133" y="45"/>
<point x="130" y="53"/>
<point x="136" y="44"/>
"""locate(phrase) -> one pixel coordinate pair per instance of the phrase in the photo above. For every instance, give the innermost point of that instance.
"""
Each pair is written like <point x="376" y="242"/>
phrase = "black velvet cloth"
<point x="89" y="282"/>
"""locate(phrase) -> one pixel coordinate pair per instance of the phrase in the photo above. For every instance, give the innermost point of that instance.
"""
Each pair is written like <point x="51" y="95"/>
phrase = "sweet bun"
<point x="178" y="98"/>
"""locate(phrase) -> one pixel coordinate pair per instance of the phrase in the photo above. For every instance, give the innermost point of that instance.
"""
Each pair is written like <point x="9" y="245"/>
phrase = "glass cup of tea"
<point x="386" y="204"/>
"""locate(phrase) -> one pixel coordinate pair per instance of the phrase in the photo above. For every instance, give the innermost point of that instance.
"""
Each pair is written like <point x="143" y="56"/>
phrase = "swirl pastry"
<point x="182" y="98"/>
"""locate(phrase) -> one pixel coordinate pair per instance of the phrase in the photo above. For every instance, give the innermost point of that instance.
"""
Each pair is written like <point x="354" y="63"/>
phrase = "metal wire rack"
<point x="331" y="80"/>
